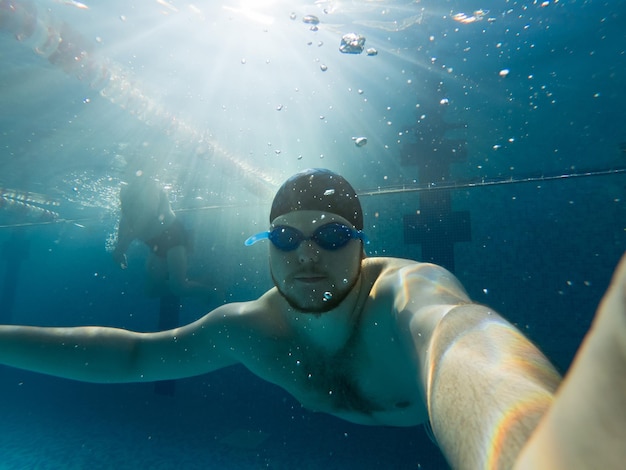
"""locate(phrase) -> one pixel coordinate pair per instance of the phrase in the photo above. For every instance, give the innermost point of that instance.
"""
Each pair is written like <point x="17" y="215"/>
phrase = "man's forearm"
<point x="92" y="354"/>
<point x="488" y="388"/>
<point x="586" y="426"/>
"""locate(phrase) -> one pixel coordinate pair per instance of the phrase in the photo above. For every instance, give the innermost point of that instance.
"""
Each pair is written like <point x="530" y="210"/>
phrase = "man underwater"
<point x="148" y="216"/>
<point x="379" y="341"/>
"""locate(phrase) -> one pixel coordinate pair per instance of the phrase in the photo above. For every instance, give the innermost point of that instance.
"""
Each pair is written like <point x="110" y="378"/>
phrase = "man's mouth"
<point x="309" y="278"/>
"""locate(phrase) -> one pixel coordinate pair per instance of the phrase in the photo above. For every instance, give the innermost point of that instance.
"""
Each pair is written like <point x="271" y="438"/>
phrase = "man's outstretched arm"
<point x="485" y="385"/>
<point x="586" y="426"/>
<point x="108" y="355"/>
<point x="92" y="354"/>
<point x="487" y="388"/>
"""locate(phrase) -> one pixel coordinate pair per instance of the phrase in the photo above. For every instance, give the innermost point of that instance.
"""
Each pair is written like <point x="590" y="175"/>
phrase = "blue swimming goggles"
<point x="331" y="237"/>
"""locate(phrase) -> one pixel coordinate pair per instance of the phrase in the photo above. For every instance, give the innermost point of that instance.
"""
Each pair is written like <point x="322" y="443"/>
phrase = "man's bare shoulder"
<point x="389" y="264"/>
<point x="259" y="314"/>
<point x="414" y="278"/>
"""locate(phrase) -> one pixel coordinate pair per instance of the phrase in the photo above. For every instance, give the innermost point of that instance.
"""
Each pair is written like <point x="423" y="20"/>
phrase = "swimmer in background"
<point x="147" y="216"/>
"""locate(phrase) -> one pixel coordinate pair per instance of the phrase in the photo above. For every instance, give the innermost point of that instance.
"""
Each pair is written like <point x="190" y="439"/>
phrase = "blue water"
<point x="222" y="101"/>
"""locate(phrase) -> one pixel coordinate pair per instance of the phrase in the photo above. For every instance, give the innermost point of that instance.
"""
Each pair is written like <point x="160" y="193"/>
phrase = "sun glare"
<point x="254" y="10"/>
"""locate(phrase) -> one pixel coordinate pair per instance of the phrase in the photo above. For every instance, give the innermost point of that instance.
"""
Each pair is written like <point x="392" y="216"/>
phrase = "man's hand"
<point x="120" y="258"/>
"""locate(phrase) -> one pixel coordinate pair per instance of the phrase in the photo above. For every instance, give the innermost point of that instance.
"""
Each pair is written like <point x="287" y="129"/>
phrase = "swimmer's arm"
<point x="486" y="386"/>
<point x="124" y="239"/>
<point x="111" y="355"/>
<point x="586" y="427"/>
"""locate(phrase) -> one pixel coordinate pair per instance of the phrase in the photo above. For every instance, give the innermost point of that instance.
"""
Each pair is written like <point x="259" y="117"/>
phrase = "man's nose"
<point x="307" y="252"/>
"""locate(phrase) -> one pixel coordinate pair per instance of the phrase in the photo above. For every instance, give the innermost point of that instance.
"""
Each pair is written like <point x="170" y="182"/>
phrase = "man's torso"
<point x="372" y="377"/>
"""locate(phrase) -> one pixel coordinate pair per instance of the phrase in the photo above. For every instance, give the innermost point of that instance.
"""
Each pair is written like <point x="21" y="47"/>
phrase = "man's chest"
<point x="356" y="383"/>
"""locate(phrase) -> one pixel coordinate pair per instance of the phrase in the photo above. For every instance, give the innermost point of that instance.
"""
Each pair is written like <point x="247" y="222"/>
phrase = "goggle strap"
<point x="257" y="237"/>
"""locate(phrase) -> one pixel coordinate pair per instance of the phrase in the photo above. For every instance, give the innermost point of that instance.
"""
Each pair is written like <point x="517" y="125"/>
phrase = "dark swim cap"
<point x="321" y="190"/>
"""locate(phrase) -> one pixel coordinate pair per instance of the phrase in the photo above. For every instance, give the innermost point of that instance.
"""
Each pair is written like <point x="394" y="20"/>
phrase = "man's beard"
<point x="328" y="304"/>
